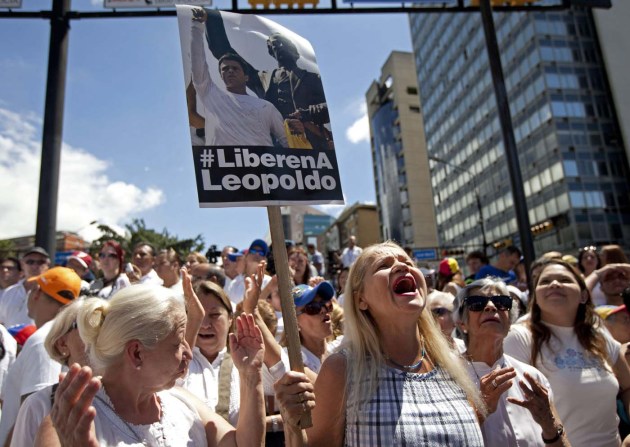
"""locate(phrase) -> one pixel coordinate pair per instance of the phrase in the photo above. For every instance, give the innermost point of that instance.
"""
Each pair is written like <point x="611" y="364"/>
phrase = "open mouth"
<point x="206" y="336"/>
<point x="405" y="285"/>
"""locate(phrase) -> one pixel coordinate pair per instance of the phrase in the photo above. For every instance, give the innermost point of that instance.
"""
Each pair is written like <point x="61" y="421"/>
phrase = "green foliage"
<point x="137" y="231"/>
<point x="7" y="249"/>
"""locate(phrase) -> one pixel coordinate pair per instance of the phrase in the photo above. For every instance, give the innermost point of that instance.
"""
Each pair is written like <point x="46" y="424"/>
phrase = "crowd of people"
<point x="159" y="349"/>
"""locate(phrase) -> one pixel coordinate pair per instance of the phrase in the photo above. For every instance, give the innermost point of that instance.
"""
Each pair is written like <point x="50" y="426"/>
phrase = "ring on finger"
<point x="495" y="384"/>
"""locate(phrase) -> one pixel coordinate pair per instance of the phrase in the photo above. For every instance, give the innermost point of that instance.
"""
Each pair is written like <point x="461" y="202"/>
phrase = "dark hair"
<point x="477" y="254"/>
<point x="15" y="262"/>
<point x="171" y="256"/>
<point x="583" y="252"/>
<point x="307" y="270"/>
<point x="585" y="324"/>
<point x="285" y="41"/>
<point x="233" y="57"/>
<point x="512" y="250"/>
<point x="148" y="244"/>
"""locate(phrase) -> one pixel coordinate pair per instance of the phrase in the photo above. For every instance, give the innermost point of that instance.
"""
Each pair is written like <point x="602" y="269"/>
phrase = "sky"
<point x="126" y="147"/>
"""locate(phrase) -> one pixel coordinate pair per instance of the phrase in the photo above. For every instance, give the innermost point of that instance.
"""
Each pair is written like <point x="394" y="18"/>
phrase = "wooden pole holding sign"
<point x="286" y="300"/>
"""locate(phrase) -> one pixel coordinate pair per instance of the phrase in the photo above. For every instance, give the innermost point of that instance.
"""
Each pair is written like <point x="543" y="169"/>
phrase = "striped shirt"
<point x="411" y="409"/>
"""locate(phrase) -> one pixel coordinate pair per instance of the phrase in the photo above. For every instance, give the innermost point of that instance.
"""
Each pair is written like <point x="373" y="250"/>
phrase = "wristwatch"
<point x="555" y="438"/>
<point x="276" y="427"/>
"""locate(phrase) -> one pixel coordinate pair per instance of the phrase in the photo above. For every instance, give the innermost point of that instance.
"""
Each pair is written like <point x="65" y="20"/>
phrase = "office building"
<point x="571" y="148"/>
<point x="401" y="171"/>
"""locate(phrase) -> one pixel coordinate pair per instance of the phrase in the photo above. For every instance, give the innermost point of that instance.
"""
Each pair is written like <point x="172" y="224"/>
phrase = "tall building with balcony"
<point x="401" y="171"/>
<point x="571" y="147"/>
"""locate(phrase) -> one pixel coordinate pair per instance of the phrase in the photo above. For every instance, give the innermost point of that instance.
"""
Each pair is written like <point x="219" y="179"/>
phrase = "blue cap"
<point x="303" y="294"/>
<point x="259" y="247"/>
<point x="234" y="256"/>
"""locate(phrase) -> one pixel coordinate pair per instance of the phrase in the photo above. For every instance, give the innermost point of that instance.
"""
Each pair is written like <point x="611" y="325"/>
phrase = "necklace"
<point x="408" y="368"/>
<point x="114" y="415"/>
<point x="472" y="364"/>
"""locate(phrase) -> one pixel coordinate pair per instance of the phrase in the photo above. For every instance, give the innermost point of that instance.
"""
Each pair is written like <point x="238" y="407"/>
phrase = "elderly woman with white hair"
<point x="520" y="413"/>
<point x="137" y="342"/>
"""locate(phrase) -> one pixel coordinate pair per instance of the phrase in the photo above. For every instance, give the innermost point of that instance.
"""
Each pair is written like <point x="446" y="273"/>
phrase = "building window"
<point x="412" y="90"/>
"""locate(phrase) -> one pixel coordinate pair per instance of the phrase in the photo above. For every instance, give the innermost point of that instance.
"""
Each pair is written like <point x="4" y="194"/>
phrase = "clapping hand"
<point x="247" y="347"/>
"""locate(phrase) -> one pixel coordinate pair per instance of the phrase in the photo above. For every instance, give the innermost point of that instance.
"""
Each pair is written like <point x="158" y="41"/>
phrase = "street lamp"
<point x="476" y="192"/>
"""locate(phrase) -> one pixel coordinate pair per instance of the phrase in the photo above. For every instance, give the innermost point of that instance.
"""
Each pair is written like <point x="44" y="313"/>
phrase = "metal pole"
<point x="53" y="128"/>
<point x="505" y="118"/>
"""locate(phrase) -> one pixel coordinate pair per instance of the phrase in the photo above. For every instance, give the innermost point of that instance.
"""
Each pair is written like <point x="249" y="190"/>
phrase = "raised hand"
<point x="247" y="347"/>
<point x="536" y="400"/>
<point x="199" y="15"/>
<point x="253" y="285"/>
<point x="494" y="384"/>
<point x="72" y="414"/>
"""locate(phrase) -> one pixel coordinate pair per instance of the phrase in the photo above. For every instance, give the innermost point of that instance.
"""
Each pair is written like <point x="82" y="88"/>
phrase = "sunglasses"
<point x="440" y="311"/>
<point x="35" y="262"/>
<point x="108" y="255"/>
<point x="478" y="303"/>
<point x="315" y="308"/>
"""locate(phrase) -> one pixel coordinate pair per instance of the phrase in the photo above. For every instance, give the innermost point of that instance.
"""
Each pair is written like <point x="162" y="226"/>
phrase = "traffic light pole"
<point x="53" y="128"/>
<point x="505" y="118"/>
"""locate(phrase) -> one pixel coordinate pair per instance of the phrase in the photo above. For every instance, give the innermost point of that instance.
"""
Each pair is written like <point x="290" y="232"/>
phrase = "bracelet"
<point x="274" y="424"/>
<point x="559" y="433"/>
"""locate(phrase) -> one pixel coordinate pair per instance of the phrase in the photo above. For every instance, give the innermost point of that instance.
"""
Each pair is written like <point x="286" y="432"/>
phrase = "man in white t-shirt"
<point x="144" y="257"/>
<point x="232" y="117"/>
<point x="34" y="369"/>
<point x="13" y="311"/>
<point x="351" y="252"/>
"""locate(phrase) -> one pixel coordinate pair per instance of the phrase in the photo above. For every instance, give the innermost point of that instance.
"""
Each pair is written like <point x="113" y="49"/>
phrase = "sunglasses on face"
<point x="35" y="262"/>
<point x="108" y="255"/>
<point x="315" y="308"/>
<point x="478" y="303"/>
<point x="440" y="311"/>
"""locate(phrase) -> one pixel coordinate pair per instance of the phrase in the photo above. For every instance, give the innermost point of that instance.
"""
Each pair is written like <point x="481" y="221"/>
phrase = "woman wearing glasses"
<point x="112" y="258"/>
<point x="565" y="340"/>
<point x="520" y="408"/>
<point x="441" y="305"/>
<point x="395" y="380"/>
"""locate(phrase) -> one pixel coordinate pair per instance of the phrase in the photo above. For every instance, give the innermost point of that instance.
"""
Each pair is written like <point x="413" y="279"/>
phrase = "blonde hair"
<point x="62" y="324"/>
<point x="142" y="312"/>
<point x="362" y="341"/>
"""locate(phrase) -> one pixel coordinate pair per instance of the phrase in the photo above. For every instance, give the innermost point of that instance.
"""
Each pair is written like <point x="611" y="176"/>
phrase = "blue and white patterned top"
<point x="411" y="409"/>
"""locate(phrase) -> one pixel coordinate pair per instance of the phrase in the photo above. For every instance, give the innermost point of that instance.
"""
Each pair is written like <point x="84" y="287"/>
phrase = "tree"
<point x="7" y="249"/>
<point x="137" y="231"/>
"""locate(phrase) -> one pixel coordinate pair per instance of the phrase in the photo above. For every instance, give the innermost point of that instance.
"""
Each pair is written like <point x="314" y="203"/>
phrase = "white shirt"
<point x="585" y="390"/>
<point x="13" y="308"/>
<point x="349" y="255"/>
<point x="10" y="349"/>
<point x="33" y="370"/>
<point x="151" y="278"/>
<point x="232" y="119"/>
<point x="202" y="380"/>
<point x="32" y="412"/>
<point x="510" y="424"/>
<point x="236" y="289"/>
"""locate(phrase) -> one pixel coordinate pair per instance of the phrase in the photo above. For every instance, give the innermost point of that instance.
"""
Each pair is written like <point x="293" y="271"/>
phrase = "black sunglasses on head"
<point x="315" y="307"/>
<point x="478" y="303"/>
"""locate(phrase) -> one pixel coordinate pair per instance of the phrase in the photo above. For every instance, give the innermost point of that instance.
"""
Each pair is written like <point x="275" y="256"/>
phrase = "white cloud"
<point x="332" y="210"/>
<point x="359" y="130"/>
<point x="85" y="192"/>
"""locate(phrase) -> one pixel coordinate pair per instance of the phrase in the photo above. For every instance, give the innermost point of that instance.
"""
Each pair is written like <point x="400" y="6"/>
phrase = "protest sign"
<point x="260" y="128"/>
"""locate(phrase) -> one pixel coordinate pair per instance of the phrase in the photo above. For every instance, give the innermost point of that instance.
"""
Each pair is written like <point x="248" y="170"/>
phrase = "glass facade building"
<point x="401" y="171"/>
<point x="572" y="155"/>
